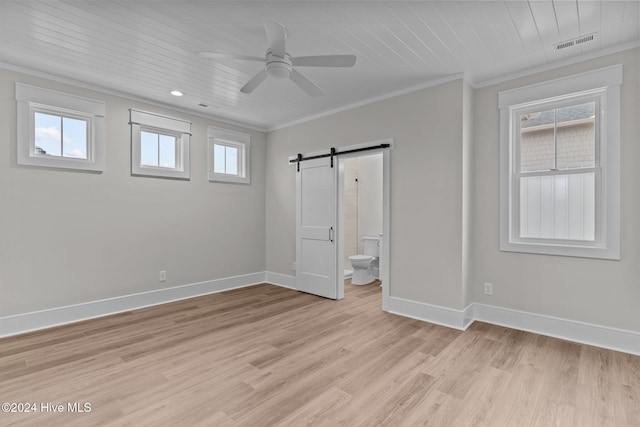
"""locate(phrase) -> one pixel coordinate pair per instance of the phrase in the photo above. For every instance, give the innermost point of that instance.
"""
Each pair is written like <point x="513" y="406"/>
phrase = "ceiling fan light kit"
<point x="280" y="64"/>
<point x="280" y="68"/>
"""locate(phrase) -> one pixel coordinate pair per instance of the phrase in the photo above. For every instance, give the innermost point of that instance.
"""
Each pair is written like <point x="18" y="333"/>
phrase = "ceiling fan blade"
<point x="305" y="84"/>
<point x="324" y="61"/>
<point x="254" y="82"/>
<point x="221" y="55"/>
<point x="276" y="36"/>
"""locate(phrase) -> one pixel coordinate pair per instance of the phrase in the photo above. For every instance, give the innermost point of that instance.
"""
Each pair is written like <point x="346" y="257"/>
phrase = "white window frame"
<point x="602" y="85"/>
<point x="156" y="123"/>
<point x="242" y="141"/>
<point x="32" y="100"/>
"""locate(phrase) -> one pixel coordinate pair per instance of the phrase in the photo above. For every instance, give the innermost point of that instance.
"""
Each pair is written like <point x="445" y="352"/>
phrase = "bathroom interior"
<point x="363" y="210"/>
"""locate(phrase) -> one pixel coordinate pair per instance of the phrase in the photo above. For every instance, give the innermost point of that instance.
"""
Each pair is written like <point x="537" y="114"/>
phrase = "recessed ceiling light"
<point x="176" y="93"/>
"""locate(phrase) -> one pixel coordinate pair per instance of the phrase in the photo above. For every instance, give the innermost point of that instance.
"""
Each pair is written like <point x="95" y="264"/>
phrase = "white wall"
<point x="602" y="292"/>
<point x="426" y="186"/>
<point x="445" y="203"/>
<point x="350" y="231"/>
<point x="369" y="197"/>
<point x="115" y="232"/>
<point x="468" y="195"/>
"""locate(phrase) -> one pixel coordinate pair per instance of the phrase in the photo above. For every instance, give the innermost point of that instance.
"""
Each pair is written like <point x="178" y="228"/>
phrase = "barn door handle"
<point x="331" y="234"/>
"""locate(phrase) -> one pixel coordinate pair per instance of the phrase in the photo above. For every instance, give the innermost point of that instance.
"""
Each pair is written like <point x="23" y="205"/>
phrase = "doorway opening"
<point x="320" y="220"/>
<point x="370" y="168"/>
<point x="361" y="209"/>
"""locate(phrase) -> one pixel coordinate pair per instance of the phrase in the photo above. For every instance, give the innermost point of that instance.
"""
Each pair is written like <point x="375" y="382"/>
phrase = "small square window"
<point x="226" y="159"/>
<point x="60" y="136"/>
<point x="229" y="155"/>
<point x="159" y="146"/>
<point x="158" y="150"/>
<point x="59" y="130"/>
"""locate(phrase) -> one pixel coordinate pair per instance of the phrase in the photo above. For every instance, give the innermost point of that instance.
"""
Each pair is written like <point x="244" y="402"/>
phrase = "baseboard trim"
<point x="570" y="330"/>
<point x="584" y="333"/>
<point x="36" y="320"/>
<point x="445" y="316"/>
<point x="283" y="280"/>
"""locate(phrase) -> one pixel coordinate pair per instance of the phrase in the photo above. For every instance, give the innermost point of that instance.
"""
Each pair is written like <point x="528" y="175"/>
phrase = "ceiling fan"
<point x="280" y="64"/>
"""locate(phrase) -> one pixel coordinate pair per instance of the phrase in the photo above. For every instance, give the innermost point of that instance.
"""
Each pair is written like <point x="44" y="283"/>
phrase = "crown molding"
<point x="108" y="91"/>
<point x="436" y="82"/>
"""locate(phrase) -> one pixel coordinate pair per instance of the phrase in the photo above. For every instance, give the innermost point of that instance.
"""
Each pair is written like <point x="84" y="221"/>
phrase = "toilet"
<point x="363" y="265"/>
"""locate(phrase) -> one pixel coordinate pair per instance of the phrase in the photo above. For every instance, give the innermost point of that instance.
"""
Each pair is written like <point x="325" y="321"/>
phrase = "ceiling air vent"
<point x="576" y="42"/>
<point x="585" y="39"/>
<point x="565" y="45"/>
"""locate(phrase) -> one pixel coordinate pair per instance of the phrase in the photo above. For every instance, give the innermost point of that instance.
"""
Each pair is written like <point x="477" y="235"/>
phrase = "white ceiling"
<point x="148" y="48"/>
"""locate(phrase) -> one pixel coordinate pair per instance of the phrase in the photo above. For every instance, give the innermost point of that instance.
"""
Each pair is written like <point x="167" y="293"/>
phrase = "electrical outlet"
<point x="294" y="266"/>
<point x="162" y="276"/>
<point x="488" y="288"/>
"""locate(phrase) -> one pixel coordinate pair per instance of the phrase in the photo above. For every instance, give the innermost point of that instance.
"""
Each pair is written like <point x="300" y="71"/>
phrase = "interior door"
<point x="316" y="247"/>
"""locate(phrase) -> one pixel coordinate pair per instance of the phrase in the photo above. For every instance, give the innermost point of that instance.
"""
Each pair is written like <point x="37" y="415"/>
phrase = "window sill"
<point x="160" y="173"/>
<point x="561" y="250"/>
<point x="62" y="163"/>
<point x="222" y="178"/>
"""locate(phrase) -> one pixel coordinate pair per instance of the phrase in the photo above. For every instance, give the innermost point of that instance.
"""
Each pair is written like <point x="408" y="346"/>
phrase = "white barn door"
<point x="316" y="221"/>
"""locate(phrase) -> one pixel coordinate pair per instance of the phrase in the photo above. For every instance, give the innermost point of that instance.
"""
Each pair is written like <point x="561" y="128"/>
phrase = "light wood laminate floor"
<point x="264" y="355"/>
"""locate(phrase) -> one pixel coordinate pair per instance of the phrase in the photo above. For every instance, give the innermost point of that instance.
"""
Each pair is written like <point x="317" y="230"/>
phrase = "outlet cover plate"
<point x="488" y="288"/>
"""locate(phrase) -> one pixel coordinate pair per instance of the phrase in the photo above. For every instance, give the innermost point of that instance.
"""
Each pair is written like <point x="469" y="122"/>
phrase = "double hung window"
<point x="560" y="166"/>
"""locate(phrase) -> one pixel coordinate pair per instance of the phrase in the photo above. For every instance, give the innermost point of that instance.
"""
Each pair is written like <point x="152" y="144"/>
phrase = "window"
<point x="59" y="130"/>
<point x="226" y="159"/>
<point x="229" y="155"/>
<point x="159" y="145"/>
<point x="158" y="150"/>
<point x="60" y="135"/>
<point x="560" y="166"/>
<point x="556" y="170"/>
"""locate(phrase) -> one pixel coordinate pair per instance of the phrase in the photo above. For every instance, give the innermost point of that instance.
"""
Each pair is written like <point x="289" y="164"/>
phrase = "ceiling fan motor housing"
<point x="277" y="67"/>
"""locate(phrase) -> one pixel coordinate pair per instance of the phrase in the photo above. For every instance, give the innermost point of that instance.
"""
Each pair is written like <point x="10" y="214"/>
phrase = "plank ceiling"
<point x="148" y="48"/>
